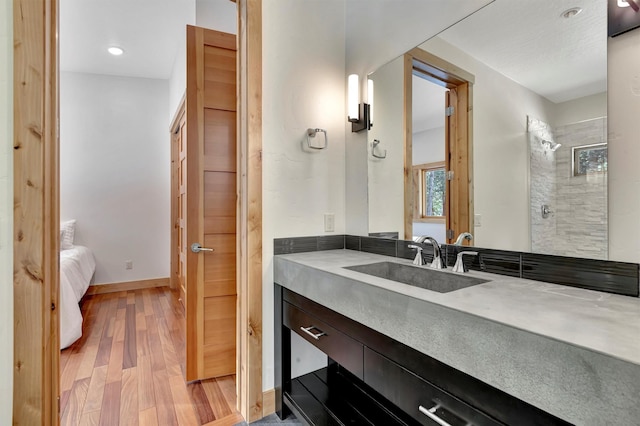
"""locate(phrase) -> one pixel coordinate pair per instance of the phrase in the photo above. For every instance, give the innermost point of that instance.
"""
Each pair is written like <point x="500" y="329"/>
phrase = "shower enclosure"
<point x="568" y="188"/>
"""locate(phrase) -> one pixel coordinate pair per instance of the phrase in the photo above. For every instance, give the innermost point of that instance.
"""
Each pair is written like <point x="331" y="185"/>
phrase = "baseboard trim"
<point x="127" y="286"/>
<point x="268" y="402"/>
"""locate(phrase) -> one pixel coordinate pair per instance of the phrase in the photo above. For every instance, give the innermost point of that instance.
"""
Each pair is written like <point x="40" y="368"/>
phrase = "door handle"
<point x="197" y="248"/>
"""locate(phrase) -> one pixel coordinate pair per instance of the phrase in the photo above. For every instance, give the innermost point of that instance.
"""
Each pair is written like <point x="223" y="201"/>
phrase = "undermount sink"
<point x="417" y="276"/>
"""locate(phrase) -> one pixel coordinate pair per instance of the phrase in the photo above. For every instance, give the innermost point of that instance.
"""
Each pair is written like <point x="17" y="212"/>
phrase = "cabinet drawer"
<point x="413" y="394"/>
<point x="338" y="346"/>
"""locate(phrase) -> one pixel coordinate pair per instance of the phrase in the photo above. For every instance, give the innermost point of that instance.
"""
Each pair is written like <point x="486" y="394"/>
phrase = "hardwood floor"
<point x="128" y="367"/>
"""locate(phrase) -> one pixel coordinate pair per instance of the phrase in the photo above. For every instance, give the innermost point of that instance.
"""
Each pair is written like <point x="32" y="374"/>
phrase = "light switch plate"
<point x="477" y="220"/>
<point x="329" y="222"/>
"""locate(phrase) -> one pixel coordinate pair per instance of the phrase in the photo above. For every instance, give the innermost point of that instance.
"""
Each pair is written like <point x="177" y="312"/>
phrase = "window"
<point x="589" y="159"/>
<point x="430" y="180"/>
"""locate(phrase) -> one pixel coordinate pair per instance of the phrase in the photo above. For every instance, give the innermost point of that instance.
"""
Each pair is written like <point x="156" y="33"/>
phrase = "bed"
<point x="77" y="266"/>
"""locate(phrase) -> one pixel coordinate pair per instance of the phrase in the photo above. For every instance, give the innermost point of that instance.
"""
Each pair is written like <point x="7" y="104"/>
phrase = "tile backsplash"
<point x="601" y="275"/>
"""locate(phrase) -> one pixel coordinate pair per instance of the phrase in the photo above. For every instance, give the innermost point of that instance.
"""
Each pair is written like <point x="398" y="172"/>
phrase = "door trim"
<point x="459" y="153"/>
<point x="36" y="348"/>
<point x="249" y="371"/>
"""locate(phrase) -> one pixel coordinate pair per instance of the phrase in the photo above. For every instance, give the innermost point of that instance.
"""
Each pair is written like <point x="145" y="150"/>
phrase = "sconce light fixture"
<point x="359" y="114"/>
<point x="629" y="3"/>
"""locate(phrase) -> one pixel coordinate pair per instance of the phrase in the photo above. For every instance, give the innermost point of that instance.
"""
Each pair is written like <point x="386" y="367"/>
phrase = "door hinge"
<point x="450" y="234"/>
<point x="450" y="175"/>
<point x="449" y="111"/>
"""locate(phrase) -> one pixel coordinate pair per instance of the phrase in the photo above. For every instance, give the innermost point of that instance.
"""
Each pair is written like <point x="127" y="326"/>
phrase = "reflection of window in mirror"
<point x="429" y="201"/>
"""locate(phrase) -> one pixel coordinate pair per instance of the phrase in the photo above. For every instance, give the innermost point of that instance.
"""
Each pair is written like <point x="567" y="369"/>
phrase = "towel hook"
<point x="311" y="133"/>
<point x="374" y="145"/>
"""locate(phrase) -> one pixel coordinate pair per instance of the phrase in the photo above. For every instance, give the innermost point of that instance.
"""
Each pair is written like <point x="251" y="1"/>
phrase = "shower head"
<point x="550" y="145"/>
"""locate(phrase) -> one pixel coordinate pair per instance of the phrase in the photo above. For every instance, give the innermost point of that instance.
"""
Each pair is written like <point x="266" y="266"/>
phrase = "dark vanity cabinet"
<point x="373" y="379"/>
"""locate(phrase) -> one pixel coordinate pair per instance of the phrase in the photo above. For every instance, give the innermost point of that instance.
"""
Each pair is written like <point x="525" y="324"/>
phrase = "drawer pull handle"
<point x="430" y="412"/>
<point x="314" y="335"/>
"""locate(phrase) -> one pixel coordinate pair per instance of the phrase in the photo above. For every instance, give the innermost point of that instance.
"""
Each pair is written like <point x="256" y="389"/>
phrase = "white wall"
<point x="428" y="146"/>
<point x="624" y="150"/>
<point x="500" y="164"/>
<point x="219" y="15"/>
<point x="303" y="86"/>
<point x="386" y="176"/>
<point x="581" y="109"/>
<point x="6" y="210"/>
<point x="115" y="172"/>
<point x="178" y="78"/>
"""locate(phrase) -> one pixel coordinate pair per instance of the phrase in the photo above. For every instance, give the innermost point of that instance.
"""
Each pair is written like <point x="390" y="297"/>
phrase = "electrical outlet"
<point x="477" y="220"/>
<point x="329" y="222"/>
<point x="128" y="264"/>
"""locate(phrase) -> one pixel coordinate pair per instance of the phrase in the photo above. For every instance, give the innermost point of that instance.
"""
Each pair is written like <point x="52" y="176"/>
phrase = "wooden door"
<point x="178" y="204"/>
<point x="209" y="204"/>
<point x="458" y="162"/>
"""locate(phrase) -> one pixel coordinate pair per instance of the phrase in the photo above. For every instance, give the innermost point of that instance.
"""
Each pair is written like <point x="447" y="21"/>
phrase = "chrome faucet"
<point x="464" y="236"/>
<point x="438" y="261"/>
<point x="460" y="266"/>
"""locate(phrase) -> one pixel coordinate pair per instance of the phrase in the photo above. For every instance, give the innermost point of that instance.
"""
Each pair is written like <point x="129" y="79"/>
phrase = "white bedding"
<point x="77" y="266"/>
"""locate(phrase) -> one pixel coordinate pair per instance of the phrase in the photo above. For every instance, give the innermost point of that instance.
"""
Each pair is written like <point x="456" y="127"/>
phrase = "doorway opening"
<point x="438" y="186"/>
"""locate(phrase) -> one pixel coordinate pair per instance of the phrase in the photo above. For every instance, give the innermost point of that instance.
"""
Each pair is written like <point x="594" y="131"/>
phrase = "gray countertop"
<point x="572" y="352"/>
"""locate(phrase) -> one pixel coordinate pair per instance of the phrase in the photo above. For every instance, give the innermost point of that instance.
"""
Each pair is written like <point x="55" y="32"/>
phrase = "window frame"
<point x="419" y="170"/>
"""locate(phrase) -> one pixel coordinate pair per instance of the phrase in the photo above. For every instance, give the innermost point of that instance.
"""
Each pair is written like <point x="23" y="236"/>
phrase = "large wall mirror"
<point x="538" y="129"/>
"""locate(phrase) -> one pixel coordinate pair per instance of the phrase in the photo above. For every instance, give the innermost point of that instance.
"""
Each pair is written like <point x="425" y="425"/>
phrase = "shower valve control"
<point x="545" y="211"/>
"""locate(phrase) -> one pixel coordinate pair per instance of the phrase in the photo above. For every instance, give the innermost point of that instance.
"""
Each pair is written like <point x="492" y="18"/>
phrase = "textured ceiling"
<point x="378" y="31"/>
<point x="529" y="42"/>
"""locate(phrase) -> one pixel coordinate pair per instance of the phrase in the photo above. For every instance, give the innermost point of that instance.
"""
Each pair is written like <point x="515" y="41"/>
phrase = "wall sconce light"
<point x="629" y="3"/>
<point x="359" y="114"/>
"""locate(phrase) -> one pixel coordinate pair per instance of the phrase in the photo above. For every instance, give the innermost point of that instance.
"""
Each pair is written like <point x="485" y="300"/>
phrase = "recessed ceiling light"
<point x="570" y="13"/>
<point x="115" y="51"/>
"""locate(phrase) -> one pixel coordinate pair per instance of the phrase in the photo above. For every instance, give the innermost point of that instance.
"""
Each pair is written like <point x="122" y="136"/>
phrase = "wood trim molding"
<point x="408" y="147"/>
<point x="127" y="286"/>
<point x="269" y="402"/>
<point x="36" y="212"/>
<point x="249" y="371"/>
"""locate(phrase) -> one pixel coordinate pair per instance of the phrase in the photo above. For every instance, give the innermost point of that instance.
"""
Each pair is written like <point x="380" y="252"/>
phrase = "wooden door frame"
<point x="36" y="346"/>
<point x="459" y="153"/>
<point x="36" y="211"/>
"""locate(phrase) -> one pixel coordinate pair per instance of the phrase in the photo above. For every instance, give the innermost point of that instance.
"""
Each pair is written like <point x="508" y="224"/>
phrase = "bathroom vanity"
<point x="501" y="351"/>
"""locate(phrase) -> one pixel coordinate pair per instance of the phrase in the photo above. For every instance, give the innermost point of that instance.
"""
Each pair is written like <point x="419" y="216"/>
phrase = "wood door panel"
<point x="220" y="225"/>
<point x="219" y="140"/>
<point x="219" y="335"/>
<point x="219" y="194"/>
<point x="219" y="78"/>
<point x="220" y="266"/>
<point x="219" y="319"/>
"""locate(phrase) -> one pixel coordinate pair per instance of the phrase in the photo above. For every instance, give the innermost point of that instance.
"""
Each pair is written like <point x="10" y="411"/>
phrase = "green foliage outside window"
<point x="434" y="192"/>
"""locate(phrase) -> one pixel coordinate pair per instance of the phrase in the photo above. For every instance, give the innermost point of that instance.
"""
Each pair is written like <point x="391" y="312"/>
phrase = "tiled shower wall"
<point x="542" y="187"/>
<point x="581" y="212"/>
<point x="577" y="226"/>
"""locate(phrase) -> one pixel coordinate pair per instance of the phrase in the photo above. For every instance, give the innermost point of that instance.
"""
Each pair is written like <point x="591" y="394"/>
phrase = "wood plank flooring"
<point x="128" y="366"/>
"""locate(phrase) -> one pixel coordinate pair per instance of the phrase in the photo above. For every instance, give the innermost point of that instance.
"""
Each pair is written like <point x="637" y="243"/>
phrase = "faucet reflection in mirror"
<point x="359" y="114"/>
